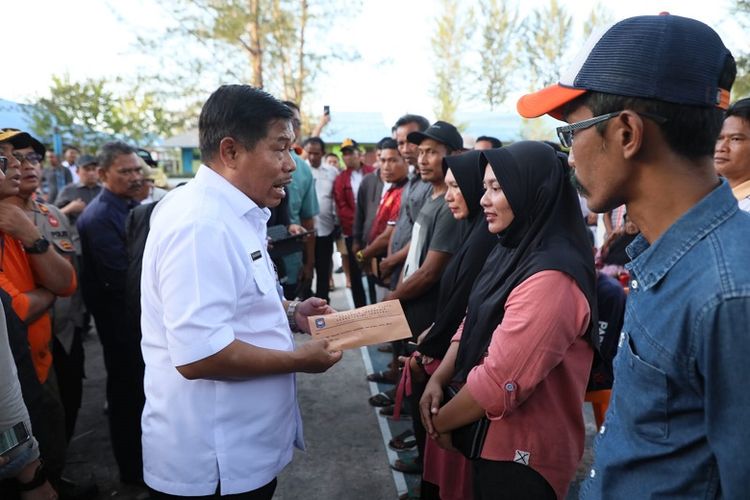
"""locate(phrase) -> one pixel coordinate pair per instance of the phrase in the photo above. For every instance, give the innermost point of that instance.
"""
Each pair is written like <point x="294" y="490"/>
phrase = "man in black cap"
<point x="434" y="240"/>
<point x="75" y="196"/>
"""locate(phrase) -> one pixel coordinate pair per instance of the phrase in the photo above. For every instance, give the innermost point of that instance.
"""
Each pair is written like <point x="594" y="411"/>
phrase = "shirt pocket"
<point x="262" y="277"/>
<point x="642" y="394"/>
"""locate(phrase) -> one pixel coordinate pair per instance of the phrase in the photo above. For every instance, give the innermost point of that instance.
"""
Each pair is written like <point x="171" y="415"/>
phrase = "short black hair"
<point x="690" y="131"/>
<point x="420" y="120"/>
<point x="69" y="147"/>
<point x="740" y="109"/>
<point x="496" y="143"/>
<point x="291" y="104"/>
<point x="242" y="112"/>
<point x="109" y="152"/>
<point x="315" y="140"/>
<point x="387" y="143"/>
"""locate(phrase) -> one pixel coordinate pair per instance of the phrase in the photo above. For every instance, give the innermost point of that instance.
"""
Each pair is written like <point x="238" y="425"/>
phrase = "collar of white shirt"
<point x="238" y="202"/>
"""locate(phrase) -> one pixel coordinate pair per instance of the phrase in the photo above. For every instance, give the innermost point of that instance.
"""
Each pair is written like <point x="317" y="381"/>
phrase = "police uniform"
<point x="67" y="312"/>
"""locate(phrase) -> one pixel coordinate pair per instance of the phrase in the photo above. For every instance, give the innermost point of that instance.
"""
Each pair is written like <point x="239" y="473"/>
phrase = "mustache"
<point x="577" y="184"/>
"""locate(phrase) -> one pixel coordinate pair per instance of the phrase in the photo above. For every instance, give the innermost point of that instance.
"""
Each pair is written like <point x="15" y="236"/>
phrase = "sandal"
<point x="380" y="400"/>
<point x="387" y="411"/>
<point x="383" y="377"/>
<point x="385" y="348"/>
<point x="408" y="466"/>
<point x="404" y="441"/>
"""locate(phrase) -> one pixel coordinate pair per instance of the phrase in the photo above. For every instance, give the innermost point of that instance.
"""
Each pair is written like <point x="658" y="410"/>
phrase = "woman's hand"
<point x="429" y="406"/>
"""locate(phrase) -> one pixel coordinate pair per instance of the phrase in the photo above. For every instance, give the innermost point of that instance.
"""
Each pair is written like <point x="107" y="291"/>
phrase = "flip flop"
<point x="404" y="441"/>
<point x="380" y="400"/>
<point x="383" y="377"/>
<point x="387" y="411"/>
<point x="408" y="466"/>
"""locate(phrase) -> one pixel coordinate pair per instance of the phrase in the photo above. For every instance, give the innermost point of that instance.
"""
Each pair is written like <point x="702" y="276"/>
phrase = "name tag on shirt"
<point x="256" y="255"/>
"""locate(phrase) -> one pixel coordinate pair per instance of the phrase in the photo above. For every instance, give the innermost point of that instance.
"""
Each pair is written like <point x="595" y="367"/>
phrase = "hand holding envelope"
<point x="367" y="325"/>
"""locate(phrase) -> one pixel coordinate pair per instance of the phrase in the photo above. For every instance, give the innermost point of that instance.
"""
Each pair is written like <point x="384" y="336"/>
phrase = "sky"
<point x="393" y="75"/>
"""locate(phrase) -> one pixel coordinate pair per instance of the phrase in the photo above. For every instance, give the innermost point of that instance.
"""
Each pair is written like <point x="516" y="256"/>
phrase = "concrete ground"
<point x="346" y="457"/>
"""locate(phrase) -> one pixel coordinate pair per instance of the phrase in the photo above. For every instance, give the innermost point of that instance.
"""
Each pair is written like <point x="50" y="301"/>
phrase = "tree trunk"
<point x="256" y="48"/>
<point x="301" y="73"/>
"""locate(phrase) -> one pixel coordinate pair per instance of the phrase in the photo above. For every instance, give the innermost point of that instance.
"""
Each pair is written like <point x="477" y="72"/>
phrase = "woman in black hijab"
<point x="458" y="278"/>
<point x="464" y="180"/>
<point x="525" y="345"/>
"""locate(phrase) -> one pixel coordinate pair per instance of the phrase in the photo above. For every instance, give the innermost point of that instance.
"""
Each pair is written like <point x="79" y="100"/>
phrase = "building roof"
<point x="363" y="127"/>
<point x="15" y="115"/>
<point x="187" y="139"/>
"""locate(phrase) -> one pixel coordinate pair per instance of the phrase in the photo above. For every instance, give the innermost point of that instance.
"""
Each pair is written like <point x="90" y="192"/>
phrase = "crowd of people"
<point x="521" y="300"/>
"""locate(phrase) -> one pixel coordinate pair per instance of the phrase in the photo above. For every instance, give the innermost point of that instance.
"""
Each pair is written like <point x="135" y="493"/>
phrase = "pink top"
<point x="533" y="379"/>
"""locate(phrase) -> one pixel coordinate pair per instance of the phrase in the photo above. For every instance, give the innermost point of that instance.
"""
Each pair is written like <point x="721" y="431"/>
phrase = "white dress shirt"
<point x="73" y="171"/>
<point x="324" y="176"/>
<point x="207" y="280"/>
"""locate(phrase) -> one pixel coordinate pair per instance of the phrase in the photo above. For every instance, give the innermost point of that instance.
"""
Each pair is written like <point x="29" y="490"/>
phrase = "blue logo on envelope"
<point x="320" y="323"/>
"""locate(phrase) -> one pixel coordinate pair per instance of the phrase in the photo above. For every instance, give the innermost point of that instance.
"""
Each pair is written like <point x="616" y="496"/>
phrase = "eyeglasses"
<point x="566" y="132"/>
<point x="30" y="158"/>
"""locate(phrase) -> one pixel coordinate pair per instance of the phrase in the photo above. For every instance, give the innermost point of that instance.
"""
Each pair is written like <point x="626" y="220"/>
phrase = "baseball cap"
<point x="667" y="58"/>
<point x="146" y="156"/>
<point x="86" y="160"/>
<point x="16" y="137"/>
<point x="442" y="132"/>
<point x="349" y="144"/>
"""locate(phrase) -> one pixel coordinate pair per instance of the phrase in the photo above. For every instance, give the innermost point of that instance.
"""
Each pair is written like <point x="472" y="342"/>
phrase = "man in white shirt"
<point x="221" y="414"/>
<point x="326" y="221"/>
<point x="70" y="160"/>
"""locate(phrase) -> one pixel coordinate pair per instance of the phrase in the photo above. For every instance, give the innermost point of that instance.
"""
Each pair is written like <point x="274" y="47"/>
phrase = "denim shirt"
<point x="678" y="424"/>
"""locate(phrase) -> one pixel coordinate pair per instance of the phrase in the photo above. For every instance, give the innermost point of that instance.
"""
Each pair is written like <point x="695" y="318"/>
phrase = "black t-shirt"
<point x="611" y="307"/>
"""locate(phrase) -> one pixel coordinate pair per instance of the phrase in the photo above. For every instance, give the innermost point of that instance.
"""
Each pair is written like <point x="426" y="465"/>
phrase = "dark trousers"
<point x="262" y="493"/>
<point x="355" y="275"/>
<point x="70" y="373"/>
<point x="49" y="428"/>
<point x="420" y="433"/>
<point x="323" y="265"/>
<point x="509" y="481"/>
<point x="125" y="398"/>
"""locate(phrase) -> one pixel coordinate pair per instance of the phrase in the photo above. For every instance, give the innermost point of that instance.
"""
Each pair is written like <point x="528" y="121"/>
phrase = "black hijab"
<point x="464" y="266"/>
<point x="547" y="233"/>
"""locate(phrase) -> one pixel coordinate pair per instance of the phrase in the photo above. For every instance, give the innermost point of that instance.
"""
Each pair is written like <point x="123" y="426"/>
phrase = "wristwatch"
<point x="291" y="308"/>
<point x="38" y="247"/>
<point x="359" y="256"/>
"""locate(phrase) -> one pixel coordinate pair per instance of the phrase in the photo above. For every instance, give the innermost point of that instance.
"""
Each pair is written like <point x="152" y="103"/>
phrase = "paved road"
<point x="346" y="456"/>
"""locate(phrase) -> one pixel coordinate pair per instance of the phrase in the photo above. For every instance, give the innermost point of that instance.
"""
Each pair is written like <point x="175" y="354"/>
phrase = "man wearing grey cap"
<point x="75" y="196"/>
<point x="645" y="102"/>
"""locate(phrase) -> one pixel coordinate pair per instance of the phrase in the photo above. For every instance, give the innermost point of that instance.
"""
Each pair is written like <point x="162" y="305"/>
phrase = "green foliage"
<point x="546" y="36"/>
<point x="499" y="49"/>
<point x="741" y="87"/>
<point x="89" y="113"/>
<point x="261" y="42"/>
<point x="449" y="44"/>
